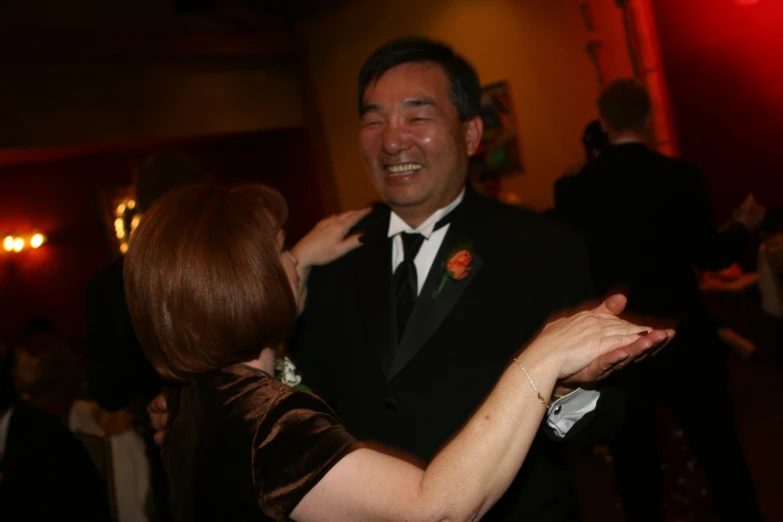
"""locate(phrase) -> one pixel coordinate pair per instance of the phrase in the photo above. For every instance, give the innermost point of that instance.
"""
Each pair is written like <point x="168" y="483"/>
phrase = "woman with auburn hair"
<point x="212" y="292"/>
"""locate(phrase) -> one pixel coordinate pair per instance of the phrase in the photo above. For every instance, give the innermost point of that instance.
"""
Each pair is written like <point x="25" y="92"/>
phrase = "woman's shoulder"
<point x="239" y="391"/>
<point x="298" y="440"/>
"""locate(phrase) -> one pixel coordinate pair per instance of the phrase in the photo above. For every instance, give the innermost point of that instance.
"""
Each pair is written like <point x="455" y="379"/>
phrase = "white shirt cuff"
<point x="567" y="410"/>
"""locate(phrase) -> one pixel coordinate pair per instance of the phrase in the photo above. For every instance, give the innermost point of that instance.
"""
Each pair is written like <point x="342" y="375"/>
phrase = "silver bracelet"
<point x="540" y="397"/>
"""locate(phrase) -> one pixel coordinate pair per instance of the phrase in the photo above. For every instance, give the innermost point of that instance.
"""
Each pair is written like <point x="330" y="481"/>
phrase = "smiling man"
<point x="404" y="350"/>
<point x="415" y="141"/>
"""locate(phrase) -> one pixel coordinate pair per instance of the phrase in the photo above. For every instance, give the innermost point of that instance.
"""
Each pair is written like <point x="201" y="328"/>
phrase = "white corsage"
<point x="285" y="372"/>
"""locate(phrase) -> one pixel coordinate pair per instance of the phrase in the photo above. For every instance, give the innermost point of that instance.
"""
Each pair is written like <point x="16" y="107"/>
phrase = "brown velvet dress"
<point x="243" y="446"/>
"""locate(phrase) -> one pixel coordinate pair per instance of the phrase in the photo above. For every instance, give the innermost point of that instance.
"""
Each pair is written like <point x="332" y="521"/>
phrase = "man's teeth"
<point x="405" y="168"/>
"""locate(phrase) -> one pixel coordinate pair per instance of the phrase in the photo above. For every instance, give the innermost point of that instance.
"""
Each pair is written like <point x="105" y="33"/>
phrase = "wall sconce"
<point x="125" y="222"/>
<point x="17" y="243"/>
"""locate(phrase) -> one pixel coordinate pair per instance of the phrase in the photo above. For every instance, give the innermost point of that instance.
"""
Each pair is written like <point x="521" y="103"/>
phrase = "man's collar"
<point x="625" y="141"/>
<point x="397" y="225"/>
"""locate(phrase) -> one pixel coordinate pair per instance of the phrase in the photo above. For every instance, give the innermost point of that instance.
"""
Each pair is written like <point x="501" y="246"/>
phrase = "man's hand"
<point x="159" y="417"/>
<point x="607" y="364"/>
<point x="750" y="214"/>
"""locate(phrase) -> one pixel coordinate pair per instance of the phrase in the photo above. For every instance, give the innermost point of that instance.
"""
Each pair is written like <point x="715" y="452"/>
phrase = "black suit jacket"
<point x="633" y="198"/>
<point x="47" y="472"/>
<point x="648" y="221"/>
<point x="456" y="346"/>
<point x="120" y="372"/>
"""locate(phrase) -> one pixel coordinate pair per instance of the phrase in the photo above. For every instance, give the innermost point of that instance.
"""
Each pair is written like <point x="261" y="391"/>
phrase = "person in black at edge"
<point x="625" y="199"/>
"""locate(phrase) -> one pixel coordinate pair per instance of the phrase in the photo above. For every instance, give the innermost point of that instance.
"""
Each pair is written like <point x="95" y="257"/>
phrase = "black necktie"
<point x="406" y="281"/>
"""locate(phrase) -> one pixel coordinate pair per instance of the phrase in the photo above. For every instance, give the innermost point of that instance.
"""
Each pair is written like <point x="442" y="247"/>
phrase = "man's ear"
<point x="474" y="128"/>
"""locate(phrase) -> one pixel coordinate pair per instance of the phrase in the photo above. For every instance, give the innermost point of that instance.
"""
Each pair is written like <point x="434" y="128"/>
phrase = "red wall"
<point x="60" y="198"/>
<point x="723" y="61"/>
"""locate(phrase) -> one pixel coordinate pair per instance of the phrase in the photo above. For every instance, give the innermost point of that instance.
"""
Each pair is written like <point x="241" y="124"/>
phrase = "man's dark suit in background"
<point x="121" y="377"/>
<point x="627" y="199"/>
<point x="524" y="268"/>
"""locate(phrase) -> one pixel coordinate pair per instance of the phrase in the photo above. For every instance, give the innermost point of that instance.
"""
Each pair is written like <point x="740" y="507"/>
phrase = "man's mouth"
<point x="403" y="169"/>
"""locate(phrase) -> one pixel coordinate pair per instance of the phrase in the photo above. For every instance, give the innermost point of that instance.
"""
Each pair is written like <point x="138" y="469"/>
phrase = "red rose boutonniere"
<point x="456" y="267"/>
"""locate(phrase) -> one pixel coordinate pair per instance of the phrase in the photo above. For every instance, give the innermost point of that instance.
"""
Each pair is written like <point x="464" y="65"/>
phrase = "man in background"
<point x="626" y="199"/>
<point x="122" y="380"/>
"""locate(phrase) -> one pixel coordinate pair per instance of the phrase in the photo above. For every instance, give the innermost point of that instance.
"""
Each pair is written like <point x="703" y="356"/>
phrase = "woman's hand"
<point x="589" y="345"/>
<point x="750" y="214"/>
<point x="158" y="411"/>
<point x="325" y="243"/>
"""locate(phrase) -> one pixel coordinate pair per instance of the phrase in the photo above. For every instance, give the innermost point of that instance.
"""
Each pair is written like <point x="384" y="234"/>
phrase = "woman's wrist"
<point x="541" y="370"/>
<point x="301" y="254"/>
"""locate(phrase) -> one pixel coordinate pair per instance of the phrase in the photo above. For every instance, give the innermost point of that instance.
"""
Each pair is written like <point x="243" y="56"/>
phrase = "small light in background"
<point x="37" y="240"/>
<point x="126" y="222"/>
<point x="13" y="243"/>
<point x="746" y="2"/>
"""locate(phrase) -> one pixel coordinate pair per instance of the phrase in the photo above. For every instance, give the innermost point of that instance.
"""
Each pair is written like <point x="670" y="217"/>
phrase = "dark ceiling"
<point x="283" y="9"/>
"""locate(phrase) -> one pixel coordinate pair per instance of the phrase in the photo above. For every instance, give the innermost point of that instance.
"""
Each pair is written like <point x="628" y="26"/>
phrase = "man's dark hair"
<point x="163" y="172"/>
<point x="464" y="87"/>
<point x="625" y="105"/>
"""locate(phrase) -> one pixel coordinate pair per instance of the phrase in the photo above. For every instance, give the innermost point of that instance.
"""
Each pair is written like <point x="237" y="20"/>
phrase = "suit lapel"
<point x="374" y="286"/>
<point x="430" y="312"/>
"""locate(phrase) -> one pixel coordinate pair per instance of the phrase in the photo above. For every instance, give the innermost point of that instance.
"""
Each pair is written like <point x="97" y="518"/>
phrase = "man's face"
<point x="414" y="145"/>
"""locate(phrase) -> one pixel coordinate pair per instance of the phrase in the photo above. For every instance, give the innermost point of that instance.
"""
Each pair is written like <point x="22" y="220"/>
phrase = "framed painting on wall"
<point x="499" y="149"/>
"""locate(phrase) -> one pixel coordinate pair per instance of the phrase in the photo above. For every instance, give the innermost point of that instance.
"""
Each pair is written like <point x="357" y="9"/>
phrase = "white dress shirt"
<point x="564" y="412"/>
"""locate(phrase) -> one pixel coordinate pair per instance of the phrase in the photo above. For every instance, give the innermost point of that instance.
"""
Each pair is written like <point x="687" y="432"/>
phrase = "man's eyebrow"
<point x="419" y="102"/>
<point x="369" y="107"/>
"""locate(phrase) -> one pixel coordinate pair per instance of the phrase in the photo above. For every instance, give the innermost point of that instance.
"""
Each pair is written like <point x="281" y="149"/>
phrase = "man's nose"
<point x="394" y="139"/>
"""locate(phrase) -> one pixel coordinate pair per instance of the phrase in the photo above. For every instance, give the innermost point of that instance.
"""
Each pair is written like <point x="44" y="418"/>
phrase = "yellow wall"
<point x="535" y="45"/>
